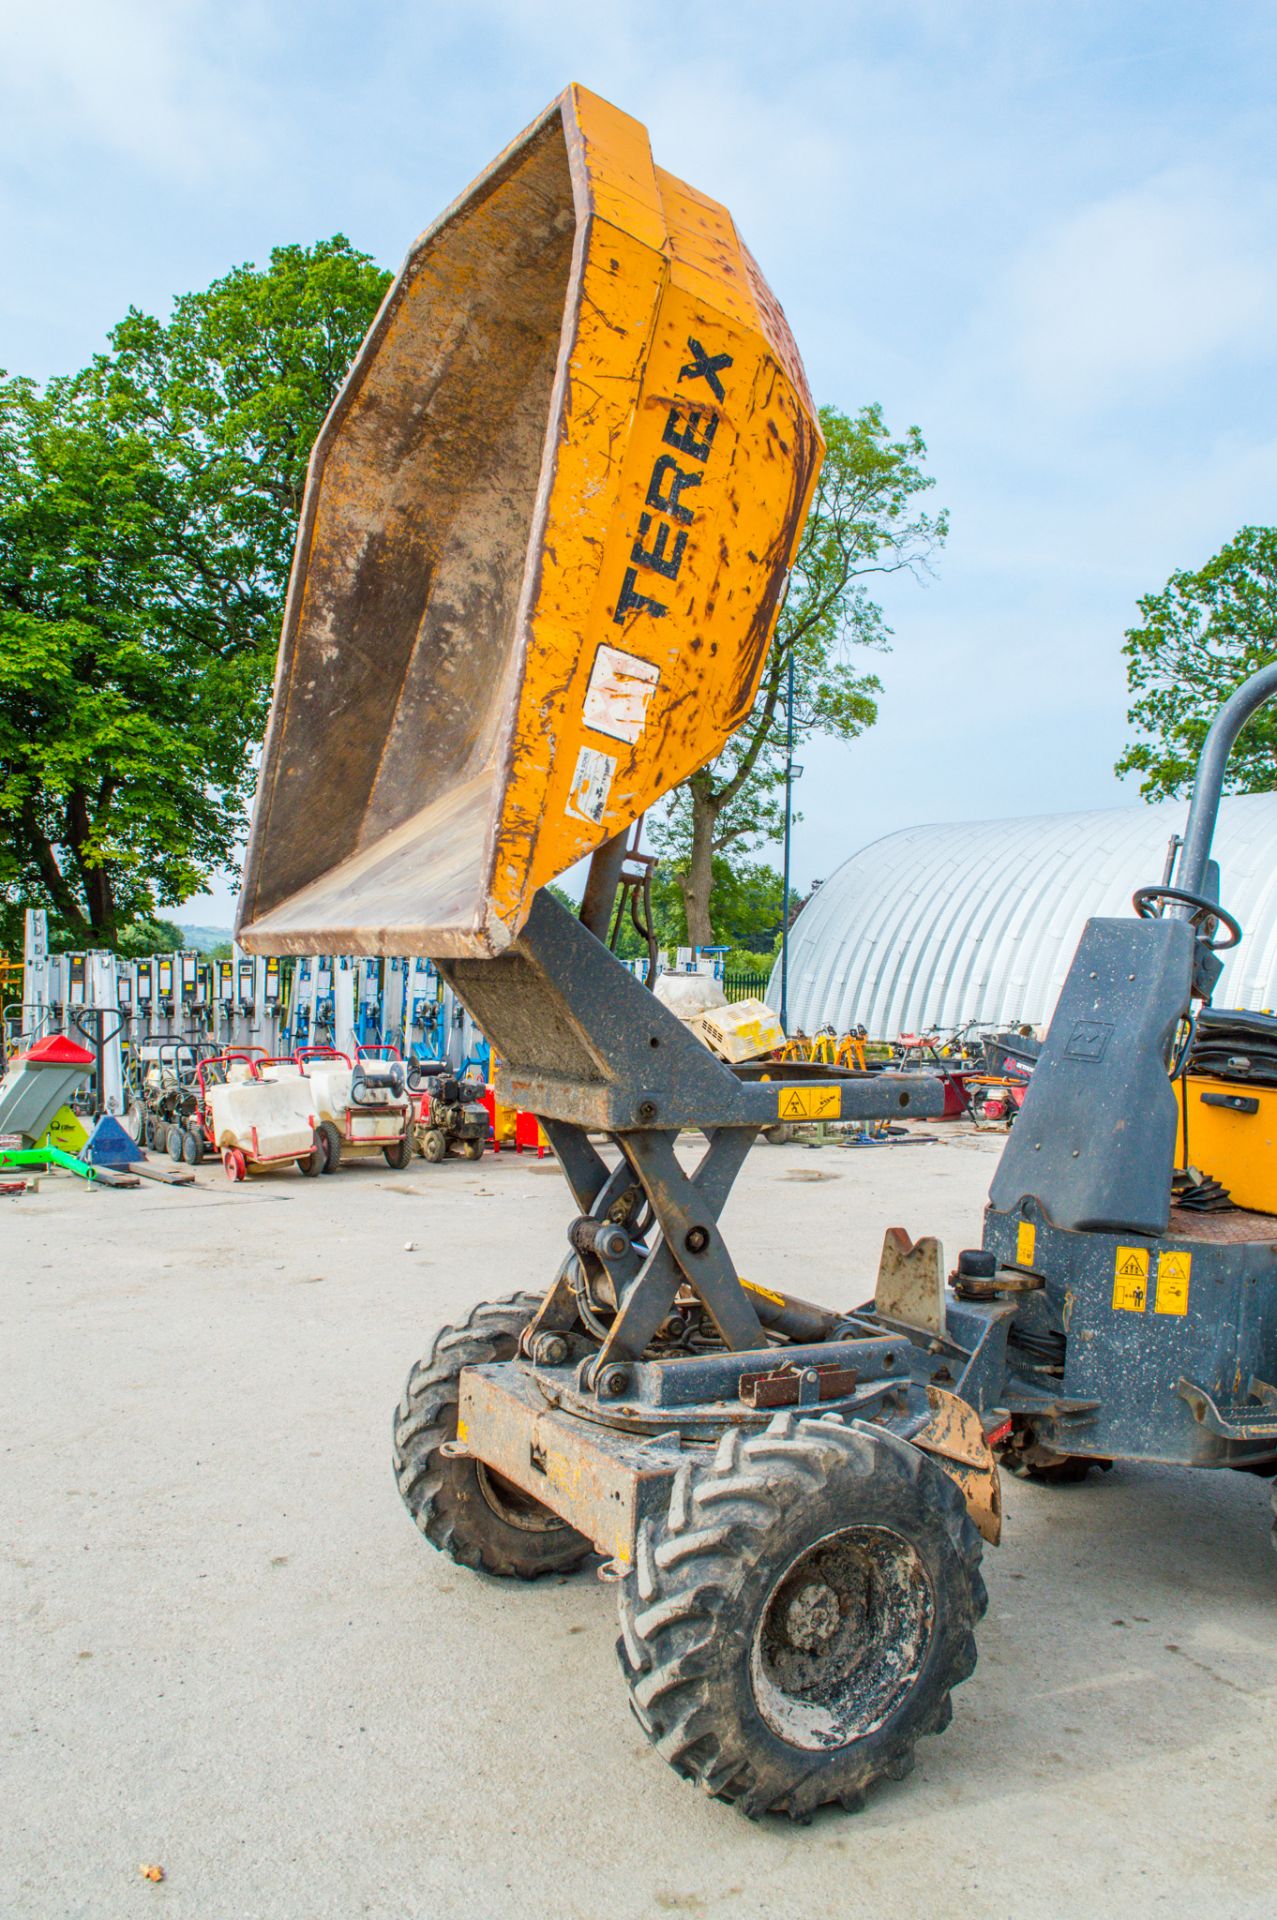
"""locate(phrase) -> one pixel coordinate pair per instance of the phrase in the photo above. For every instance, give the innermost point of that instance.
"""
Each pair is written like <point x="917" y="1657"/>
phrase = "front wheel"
<point x="462" y="1507"/>
<point x="192" y="1147"/>
<point x="473" y="1149"/>
<point x="331" y="1138"/>
<point x="434" y="1145"/>
<point x="801" y="1614"/>
<point x="312" y="1163"/>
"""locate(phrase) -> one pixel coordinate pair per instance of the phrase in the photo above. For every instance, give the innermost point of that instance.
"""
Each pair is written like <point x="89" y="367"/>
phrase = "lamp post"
<point x="791" y="774"/>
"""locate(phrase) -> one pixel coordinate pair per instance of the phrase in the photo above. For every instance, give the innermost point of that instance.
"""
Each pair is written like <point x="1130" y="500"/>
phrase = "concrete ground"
<point x="230" y="1654"/>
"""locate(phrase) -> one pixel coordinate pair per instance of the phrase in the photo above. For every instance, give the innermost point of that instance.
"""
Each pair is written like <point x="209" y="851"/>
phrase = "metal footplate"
<point x="1252" y="1419"/>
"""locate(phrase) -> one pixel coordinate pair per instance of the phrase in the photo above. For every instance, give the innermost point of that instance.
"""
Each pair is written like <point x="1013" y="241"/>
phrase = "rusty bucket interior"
<point x="546" y="529"/>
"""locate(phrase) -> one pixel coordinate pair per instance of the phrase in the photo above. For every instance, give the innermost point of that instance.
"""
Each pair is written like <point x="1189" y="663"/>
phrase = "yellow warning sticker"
<point x="1026" y="1241"/>
<point x="1173" y="1271"/>
<point x="808" y="1103"/>
<point x="765" y="1293"/>
<point x="1130" y="1279"/>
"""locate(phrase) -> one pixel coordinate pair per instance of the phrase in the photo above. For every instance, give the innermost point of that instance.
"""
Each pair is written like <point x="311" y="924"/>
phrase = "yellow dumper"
<point x="546" y="533"/>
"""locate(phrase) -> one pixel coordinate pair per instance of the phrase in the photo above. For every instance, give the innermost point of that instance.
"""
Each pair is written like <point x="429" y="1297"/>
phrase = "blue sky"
<point x="1045" y="233"/>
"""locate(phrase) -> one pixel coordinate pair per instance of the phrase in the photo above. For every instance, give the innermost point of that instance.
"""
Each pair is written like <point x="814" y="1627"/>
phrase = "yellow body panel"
<point x="547" y="528"/>
<point x="1237" y="1148"/>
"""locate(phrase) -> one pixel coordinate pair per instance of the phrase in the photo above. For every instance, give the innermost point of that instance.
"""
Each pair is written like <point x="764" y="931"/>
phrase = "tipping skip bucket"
<point x="546" y="530"/>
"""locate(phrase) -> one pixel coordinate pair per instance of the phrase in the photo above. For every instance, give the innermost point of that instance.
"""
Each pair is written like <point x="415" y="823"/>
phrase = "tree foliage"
<point x="143" y="937"/>
<point x="865" y="522"/>
<point x="745" y="901"/>
<point x="1199" y="639"/>
<point x="147" y="511"/>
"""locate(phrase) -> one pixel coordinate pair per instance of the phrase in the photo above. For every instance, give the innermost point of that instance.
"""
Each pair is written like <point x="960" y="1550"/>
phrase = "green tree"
<point x="148" y="936"/>
<point x="1199" y="639"/>
<point x="147" y="513"/>
<point x="745" y="902"/>
<point x="865" y="521"/>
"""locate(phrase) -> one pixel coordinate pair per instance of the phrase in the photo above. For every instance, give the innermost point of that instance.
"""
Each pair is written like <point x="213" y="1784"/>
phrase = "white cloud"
<point x="1148" y="284"/>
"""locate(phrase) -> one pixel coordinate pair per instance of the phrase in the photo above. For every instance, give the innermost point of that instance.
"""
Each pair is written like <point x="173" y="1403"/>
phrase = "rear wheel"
<point x="192" y="1147"/>
<point x="398" y="1154"/>
<point x="434" y="1144"/>
<point x="463" y="1508"/>
<point x="234" y="1164"/>
<point x="331" y="1138"/>
<point x="473" y="1149"/>
<point x="798" y="1619"/>
<point x="173" y="1141"/>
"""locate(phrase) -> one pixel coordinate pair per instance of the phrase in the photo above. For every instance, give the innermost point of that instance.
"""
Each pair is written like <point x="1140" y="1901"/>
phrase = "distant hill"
<point x="204" y="939"/>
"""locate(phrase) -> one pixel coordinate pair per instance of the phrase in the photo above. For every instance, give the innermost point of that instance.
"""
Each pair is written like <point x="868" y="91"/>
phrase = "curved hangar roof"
<point x="935" y="926"/>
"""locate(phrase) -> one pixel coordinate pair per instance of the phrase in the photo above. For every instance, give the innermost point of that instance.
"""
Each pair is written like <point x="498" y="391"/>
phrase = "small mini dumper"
<point x="548" y="524"/>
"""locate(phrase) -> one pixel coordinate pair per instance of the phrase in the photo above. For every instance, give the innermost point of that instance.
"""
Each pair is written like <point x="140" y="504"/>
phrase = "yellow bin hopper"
<point x="546" y="532"/>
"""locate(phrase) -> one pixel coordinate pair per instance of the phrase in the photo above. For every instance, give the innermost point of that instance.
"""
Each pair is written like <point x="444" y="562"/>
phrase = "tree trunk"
<point x="55" y="883"/>
<point x="696" y="882"/>
<point x="94" y="878"/>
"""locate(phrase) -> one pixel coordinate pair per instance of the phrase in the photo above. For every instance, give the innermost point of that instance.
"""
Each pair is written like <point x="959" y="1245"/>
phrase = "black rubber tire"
<point x="398" y="1154"/>
<point x="455" y="1502"/>
<point x="312" y="1163"/>
<point x="149" y="1136"/>
<point x="473" y="1149"/>
<point x="434" y="1145"/>
<point x="192" y="1147"/>
<point x="331" y="1137"/>
<point x="695" y="1610"/>
<point x="173" y="1144"/>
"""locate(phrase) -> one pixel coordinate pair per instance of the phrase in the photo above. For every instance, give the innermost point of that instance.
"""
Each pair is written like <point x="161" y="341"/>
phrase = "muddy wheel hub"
<point x="842" y="1638"/>
<point x="812" y="1617"/>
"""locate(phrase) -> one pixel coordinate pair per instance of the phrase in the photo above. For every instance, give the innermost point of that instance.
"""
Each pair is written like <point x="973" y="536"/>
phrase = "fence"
<point x="745" y="986"/>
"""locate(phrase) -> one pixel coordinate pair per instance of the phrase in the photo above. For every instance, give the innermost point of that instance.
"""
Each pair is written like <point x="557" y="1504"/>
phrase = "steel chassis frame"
<point x="591" y="1418"/>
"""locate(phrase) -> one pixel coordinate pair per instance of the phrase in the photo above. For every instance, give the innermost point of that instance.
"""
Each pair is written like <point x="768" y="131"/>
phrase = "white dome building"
<point x="935" y="926"/>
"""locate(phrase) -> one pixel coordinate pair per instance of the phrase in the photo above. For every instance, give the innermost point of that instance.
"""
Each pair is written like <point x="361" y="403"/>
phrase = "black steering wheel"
<point x="1149" y="901"/>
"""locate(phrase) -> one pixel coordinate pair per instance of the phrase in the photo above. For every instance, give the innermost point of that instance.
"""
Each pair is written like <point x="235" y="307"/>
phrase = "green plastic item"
<point x="47" y="1156"/>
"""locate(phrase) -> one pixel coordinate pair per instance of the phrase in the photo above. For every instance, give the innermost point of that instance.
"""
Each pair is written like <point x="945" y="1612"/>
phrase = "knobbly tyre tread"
<point x="684" y="1619"/>
<point x="331" y="1137"/>
<point x="441" y="1494"/>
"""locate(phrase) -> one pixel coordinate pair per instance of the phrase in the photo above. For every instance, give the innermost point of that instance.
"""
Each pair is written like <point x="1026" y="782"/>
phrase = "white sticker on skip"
<point x="620" y="687"/>
<point x="591" y="784"/>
